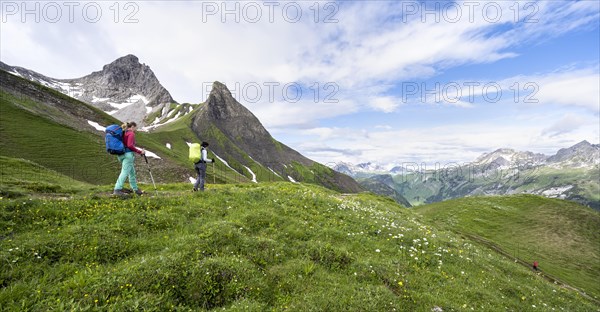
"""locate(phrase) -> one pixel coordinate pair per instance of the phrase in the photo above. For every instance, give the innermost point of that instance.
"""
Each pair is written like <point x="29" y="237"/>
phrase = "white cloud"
<point x="450" y="143"/>
<point x="369" y="45"/>
<point x="301" y="114"/>
<point x="579" y="88"/>
<point x="569" y="87"/>
<point x="385" y="104"/>
<point x="567" y="124"/>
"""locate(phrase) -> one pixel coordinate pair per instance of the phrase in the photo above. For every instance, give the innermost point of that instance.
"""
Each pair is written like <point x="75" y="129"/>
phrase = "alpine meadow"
<point x="426" y="156"/>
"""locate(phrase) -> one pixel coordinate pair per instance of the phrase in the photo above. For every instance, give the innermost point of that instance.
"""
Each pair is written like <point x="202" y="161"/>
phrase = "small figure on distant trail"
<point x="535" y="265"/>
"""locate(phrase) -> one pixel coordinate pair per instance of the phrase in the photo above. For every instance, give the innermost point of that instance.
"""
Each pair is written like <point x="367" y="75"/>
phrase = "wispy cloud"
<point x="567" y="124"/>
<point x="453" y="143"/>
<point x="573" y="86"/>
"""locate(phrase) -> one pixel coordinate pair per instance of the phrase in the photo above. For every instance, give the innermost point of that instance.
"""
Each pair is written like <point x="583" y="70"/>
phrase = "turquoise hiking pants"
<point x="127" y="171"/>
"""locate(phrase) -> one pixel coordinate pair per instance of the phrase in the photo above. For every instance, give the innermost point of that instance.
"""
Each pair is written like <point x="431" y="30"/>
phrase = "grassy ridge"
<point x="563" y="236"/>
<point x="19" y="177"/>
<point x="77" y="154"/>
<point x="80" y="155"/>
<point x="275" y="246"/>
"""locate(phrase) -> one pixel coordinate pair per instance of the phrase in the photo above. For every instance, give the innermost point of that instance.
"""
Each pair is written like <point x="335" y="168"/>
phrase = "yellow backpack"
<point x="195" y="152"/>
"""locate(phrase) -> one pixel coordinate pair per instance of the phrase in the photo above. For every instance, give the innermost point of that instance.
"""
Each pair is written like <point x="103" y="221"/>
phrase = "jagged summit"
<point x="222" y="105"/>
<point x="241" y="126"/>
<point x="124" y="88"/>
<point x="236" y="134"/>
<point x="581" y="154"/>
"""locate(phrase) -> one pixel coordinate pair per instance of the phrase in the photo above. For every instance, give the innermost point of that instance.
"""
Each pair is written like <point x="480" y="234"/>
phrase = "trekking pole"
<point x="151" y="177"/>
<point x="214" y="174"/>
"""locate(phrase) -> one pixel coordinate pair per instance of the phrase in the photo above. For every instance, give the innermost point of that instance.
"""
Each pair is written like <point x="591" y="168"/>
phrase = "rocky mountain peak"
<point x="582" y="144"/>
<point x="581" y="154"/>
<point x="125" y="88"/>
<point x="509" y="157"/>
<point x="223" y="106"/>
<point x="235" y="134"/>
<point x="127" y="59"/>
<point x="127" y="73"/>
<point x="127" y="62"/>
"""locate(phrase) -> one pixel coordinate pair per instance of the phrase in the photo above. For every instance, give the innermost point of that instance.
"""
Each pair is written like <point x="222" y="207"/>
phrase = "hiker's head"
<point x="204" y="144"/>
<point x="129" y="126"/>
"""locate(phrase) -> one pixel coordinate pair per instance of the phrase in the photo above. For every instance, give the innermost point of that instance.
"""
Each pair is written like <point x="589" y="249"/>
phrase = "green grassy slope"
<point x="23" y="178"/>
<point x="31" y="130"/>
<point x="49" y="103"/>
<point x="563" y="236"/>
<point x="77" y="154"/>
<point x="249" y="247"/>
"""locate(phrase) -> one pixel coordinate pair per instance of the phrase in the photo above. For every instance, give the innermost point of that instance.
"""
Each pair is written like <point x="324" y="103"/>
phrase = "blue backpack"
<point x="114" y="140"/>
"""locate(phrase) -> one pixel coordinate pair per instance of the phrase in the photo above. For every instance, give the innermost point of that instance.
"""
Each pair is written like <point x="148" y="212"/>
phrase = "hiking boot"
<point x="119" y="192"/>
<point x="194" y="190"/>
<point x="139" y="192"/>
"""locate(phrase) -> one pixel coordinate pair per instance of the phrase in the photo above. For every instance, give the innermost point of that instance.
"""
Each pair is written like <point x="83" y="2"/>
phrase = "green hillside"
<point x="272" y="246"/>
<point x="19" y="178"/>
<point x="37" y="132"/>
<point x="561" y="235"/>
<point x="77" y="154"/>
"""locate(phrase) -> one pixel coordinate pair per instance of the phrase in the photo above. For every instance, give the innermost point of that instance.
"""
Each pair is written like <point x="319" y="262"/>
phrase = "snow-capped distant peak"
<point x="508" y="158"/>
<point x="351" y="169"/>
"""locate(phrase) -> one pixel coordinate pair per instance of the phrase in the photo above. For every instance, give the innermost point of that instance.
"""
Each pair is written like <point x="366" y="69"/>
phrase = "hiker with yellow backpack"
<point x="198" y="155"/>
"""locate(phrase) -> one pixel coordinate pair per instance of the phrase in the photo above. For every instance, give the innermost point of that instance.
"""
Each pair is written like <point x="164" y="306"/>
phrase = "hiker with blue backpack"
<point x="120" y="141"/>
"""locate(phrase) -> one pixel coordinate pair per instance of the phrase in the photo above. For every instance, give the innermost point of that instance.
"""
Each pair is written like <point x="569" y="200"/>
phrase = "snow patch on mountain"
<point x="275" y="172"/>
<point x="96" y="126"/>
<point x="97" y="99"/>
<point x="557" y="191"/>
<point x="171" y="120"/>
<point x="252" y="173"/>
<point x="16" y="73"/>
<point x="224" y="162"/>
<point x="151" y="154"/>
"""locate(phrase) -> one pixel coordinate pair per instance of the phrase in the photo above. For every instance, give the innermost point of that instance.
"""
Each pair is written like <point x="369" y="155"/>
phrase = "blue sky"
<point x="370" y="53"/>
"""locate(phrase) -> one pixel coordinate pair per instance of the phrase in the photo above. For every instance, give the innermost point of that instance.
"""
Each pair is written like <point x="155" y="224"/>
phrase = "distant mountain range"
<point x="126" y="90"/>
<point x="581" y="155"/>
<point x="572" y="173"/>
